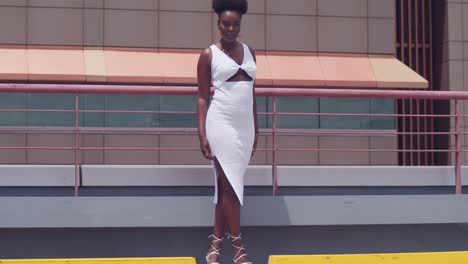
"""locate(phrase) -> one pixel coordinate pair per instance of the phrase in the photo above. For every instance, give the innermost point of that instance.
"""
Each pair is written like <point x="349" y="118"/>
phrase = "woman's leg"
<point x="231" y="206"/>
<point x="219" y="223"/>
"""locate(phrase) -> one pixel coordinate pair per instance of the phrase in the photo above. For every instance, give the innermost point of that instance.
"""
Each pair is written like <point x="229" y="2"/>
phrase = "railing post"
<point x="275" y="150"/>
<point x="458" y="186"/>
<point x="77" y="171"/>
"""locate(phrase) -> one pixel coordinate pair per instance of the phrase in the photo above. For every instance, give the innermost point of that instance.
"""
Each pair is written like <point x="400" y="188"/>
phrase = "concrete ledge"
<point x="200" y="175"/>
<point x="102" y="260"/>
<point x="397" y="258"/>
<point x="194" y="211"/>
<point x="37" y="175"/>
<point x="180" y="175"/>
<point x="164" y="175"/>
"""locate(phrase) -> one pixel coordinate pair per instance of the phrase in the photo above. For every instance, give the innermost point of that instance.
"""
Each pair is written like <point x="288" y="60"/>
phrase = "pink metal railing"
<point x="274" y="93"/>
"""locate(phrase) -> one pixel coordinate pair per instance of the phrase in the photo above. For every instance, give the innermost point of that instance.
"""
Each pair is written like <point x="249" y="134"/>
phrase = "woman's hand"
<point x="205" y="148"/>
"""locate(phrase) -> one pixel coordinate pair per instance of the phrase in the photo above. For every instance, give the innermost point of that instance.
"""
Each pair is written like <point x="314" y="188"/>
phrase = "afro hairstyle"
<point x="240" y="6"/>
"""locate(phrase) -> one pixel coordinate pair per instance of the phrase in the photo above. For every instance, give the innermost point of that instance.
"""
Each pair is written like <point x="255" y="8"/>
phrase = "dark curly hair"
<point x="240" y="6"/>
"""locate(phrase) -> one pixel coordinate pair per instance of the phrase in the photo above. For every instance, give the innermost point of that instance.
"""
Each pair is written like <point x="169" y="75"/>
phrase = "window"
<point x="188" y="103"/>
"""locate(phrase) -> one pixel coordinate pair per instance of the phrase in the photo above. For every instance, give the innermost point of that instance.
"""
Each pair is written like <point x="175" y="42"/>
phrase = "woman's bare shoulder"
<point x="205" y="55"/>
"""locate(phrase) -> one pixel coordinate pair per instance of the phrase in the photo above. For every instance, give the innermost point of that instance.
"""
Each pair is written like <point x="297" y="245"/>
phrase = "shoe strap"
<point x="216" y="239"/>
<point x="234" y="238"/>
<point x="240" y="249"/>
<point x="214" y="249"/>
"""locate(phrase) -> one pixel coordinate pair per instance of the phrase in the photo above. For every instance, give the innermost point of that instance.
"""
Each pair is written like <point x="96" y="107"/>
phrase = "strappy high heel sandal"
<point x="214" y="250"/>
<point x="240" y="250"/>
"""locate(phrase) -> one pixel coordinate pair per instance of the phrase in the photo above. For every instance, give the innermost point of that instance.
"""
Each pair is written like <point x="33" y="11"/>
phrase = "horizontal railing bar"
<point x="260" y="91"/>
<point x="197" y="149"/>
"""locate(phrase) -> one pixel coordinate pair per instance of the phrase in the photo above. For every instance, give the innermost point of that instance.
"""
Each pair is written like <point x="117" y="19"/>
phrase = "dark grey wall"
<point x="260" y="241"/>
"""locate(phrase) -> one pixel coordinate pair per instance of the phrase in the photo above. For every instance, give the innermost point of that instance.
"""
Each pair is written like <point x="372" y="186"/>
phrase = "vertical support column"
<point x="411" y="132"/>
<point x="458" y="186"/>
<point x="275" y="149"/>
<point x="431" y="80"/>
<point x="419" y="135"/>
<point x="403" y="130"/>
<point x="424" y="74"/>
<point x="77" y="169"/>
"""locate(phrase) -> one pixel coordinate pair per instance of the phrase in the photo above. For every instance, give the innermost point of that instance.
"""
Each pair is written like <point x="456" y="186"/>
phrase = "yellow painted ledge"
<point x="400" y="258"/>
<point x="99" y="261"/>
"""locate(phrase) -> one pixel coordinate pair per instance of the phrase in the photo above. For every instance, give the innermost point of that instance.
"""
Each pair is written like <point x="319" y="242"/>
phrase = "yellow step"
<point x="104" y="260"/>
<point x="399" y="258"/>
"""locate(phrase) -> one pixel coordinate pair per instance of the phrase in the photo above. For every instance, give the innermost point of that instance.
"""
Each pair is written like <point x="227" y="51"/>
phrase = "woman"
<point x="228" y="130"/>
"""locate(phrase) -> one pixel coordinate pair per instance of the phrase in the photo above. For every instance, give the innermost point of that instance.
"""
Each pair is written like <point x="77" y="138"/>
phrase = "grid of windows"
<point x="188" y="103"/>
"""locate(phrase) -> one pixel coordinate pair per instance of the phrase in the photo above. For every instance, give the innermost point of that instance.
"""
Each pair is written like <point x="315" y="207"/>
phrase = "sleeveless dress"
<point x="230" y="128"/>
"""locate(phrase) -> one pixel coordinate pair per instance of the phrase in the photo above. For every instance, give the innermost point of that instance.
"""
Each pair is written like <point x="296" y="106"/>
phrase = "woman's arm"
<point x="204" y="85"/>
<point x="254" y="108"/>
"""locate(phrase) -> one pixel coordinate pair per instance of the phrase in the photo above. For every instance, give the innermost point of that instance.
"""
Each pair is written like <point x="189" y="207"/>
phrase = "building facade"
<point x="341" y="28"/>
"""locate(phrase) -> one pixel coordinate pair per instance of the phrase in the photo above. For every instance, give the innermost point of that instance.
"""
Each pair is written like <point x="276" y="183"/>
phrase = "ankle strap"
<point x="240" y="250"/>
<point x="234" y="238"/>
<point x="216" y="239"/>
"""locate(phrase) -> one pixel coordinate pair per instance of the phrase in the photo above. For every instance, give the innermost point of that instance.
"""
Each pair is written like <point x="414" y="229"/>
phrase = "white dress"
<point x="230" y="122"/>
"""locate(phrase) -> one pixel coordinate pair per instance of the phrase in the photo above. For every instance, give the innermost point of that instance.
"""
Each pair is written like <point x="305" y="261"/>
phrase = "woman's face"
<point x="229" y="25"/>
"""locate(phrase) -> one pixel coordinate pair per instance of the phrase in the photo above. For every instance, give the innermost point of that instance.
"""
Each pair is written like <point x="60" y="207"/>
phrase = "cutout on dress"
<point x="240" y="76"/>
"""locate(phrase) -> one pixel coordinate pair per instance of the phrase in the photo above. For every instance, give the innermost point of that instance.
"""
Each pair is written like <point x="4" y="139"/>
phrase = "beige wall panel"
<point x="453" y="30"/>
<point x="56" y="3"/>
<point x="465" y="21"/>
<point x="452" y="75"/>
<point x="179" y="157"/>
<point x="12" y="156"/>
<point x="291" y="7"/>
<point x="306" y="158"/>
<point x="298" y="157"/>
<point x="133" y="4"/>
<point x="93" y="27"/>
<point x="93" y="3"/>
<point x="465" y="50"/>
<point x="13" y="3"/>
<point x="340" y="34"/>
<point x="381" y="36"/>
<point x="465" y="78"/>
<point x="253" y="31"/>
<point x="130" y="28"/>
<point x="291" y="33"/>
<point x="136" y="157"/>
<point x="55" y="26"/>
<point x="185" y="29"/>
<point x="341" y="157"/>
<point x="452" y="50"/>
<point x="184" y="5"/>
<point x="256" y="7"/>
<point x="348" y="8"/>
<point x="39" y="156"/>
<point x="92" y="156"/>
<point x="260" y="157"/>
<point x="13" y="25"/>
<point x="381" y="8"/>
<point x="384" y="158"/>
